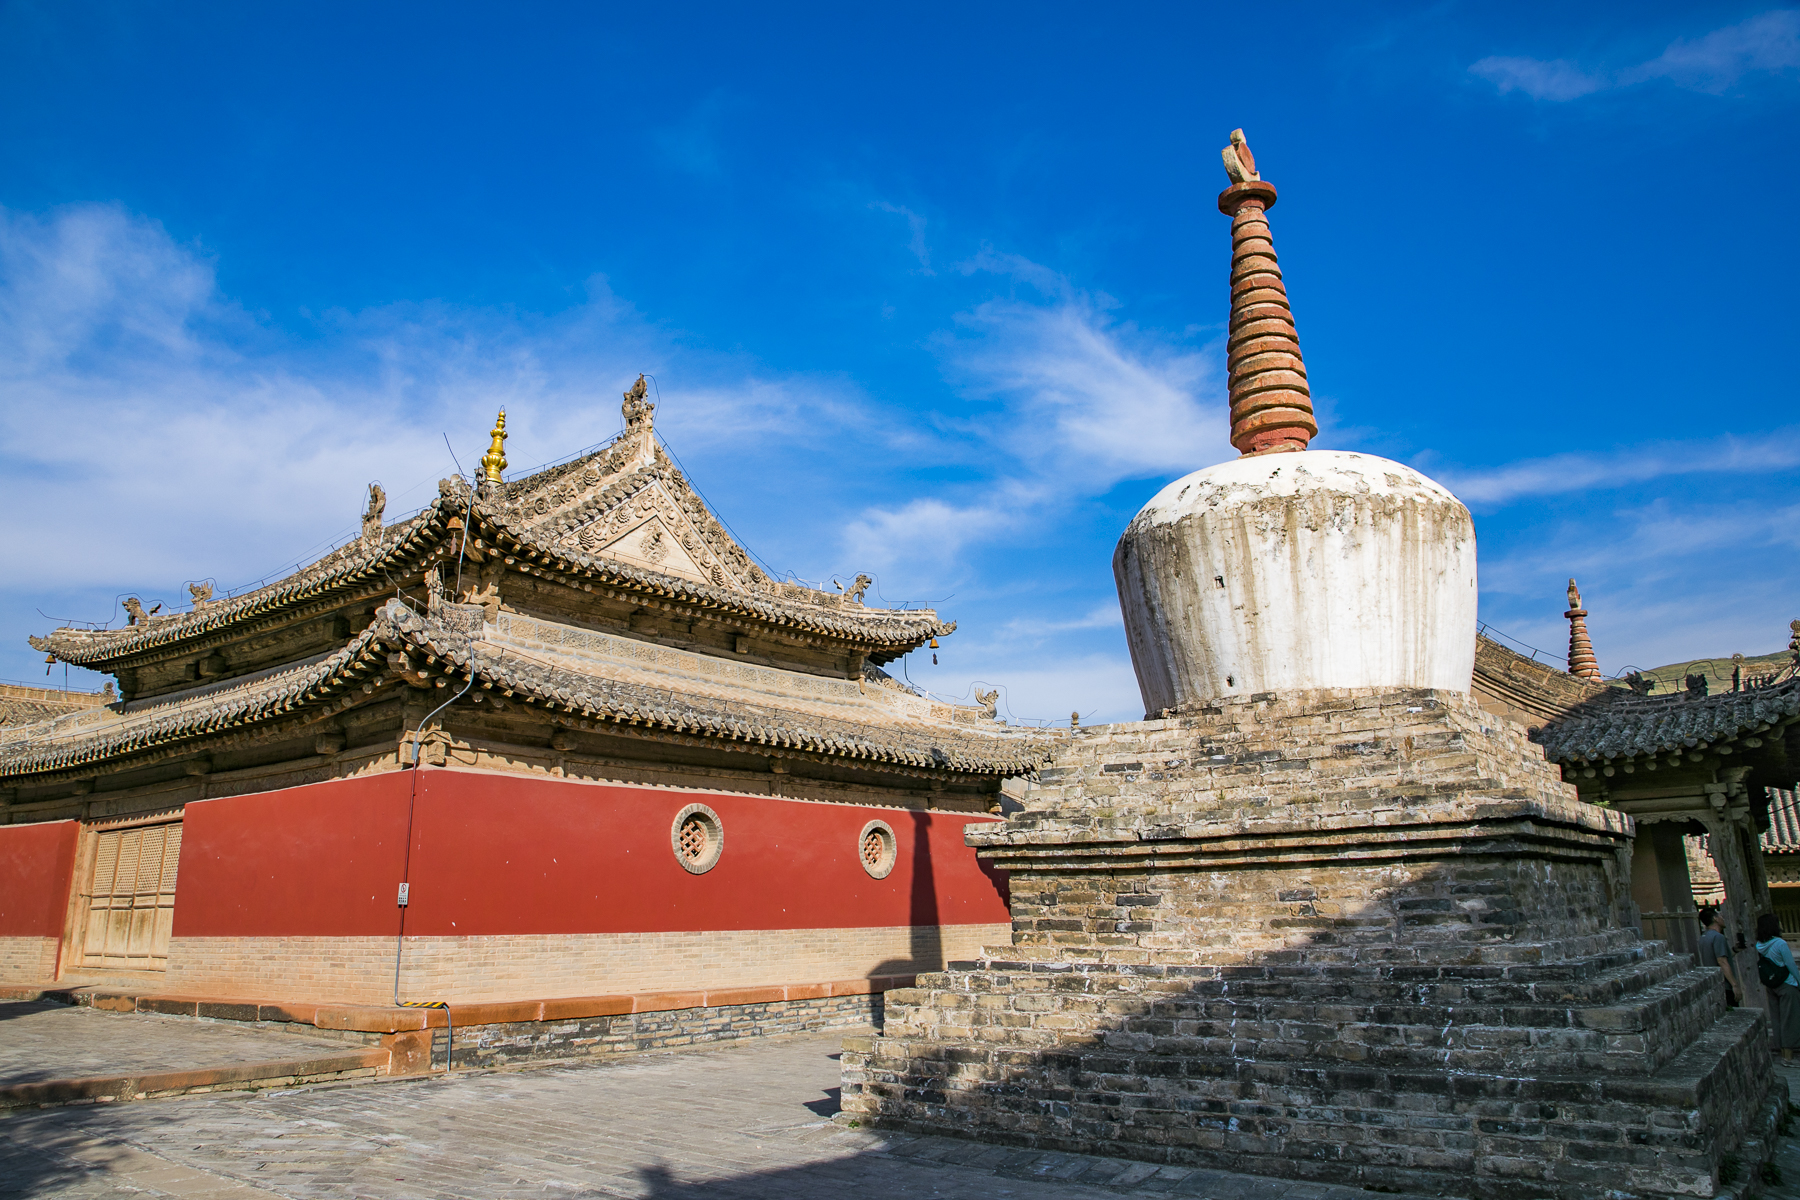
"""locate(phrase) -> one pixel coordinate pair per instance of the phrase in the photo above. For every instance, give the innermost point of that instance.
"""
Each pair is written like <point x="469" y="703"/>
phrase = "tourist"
<point x="1772" y="958"/>
<point x="1715" y="950"/>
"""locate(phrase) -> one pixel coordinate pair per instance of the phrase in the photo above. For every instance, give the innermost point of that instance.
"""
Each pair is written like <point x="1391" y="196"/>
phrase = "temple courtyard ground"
<point x="749" y="1119"/>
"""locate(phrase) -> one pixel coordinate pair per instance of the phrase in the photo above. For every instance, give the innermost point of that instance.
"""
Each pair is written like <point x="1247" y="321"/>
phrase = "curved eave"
<point x="348" y="676"/>
<point x="346" y="569"/>
<point x="1632" y="727"/>
<point x="889" y="634"/>
<point x="304" y="695"/>
<point x="595" y="702"/>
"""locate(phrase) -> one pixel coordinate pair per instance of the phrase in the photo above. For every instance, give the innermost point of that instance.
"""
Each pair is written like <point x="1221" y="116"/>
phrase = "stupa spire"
<point x="1271" y="406"/>
<point x="1582" y="662"/>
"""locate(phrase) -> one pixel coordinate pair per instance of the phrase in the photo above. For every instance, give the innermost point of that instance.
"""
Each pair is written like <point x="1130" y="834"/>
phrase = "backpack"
<point x="1772" y="973"/>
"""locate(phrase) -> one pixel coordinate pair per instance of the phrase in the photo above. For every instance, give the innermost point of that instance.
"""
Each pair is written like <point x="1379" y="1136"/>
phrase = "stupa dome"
<point x="1279" y="572"/>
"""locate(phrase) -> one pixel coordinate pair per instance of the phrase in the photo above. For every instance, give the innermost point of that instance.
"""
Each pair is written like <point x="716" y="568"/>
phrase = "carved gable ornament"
<point x="628" y="502"/>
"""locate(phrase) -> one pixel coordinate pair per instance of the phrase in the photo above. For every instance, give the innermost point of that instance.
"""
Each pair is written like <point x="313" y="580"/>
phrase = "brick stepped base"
<point x="1351" y="937"/>
<point x="1388" y="1094"/>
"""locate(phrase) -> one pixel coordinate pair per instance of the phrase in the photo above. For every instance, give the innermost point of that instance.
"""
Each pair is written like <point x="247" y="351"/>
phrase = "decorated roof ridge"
<point x="597" y="698"/>
<point x="1620" y="725"/>
<point x="899" y="626"/>
<point x="628" y="468"/>
<point x="188" y="723"/>
<point x="363" y="560"/>
<point x="340" y="568"/>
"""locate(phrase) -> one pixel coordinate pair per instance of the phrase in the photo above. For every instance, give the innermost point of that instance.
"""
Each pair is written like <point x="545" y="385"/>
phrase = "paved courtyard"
<point x="42" y="1040"/>
<point x="735" y="1121"/>
<point x="744" y="1120"/>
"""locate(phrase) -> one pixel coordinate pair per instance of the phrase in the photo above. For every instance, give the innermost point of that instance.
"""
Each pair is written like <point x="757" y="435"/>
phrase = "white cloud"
<point x="1562" y="473"/>
<point x="915" y="223"/>
<point x="1662" y="582"/>
<point x="154" y="432"/>
<point x="1077" y="402"/>
<point x="1769" y="42"/>
<point x="929" y="534"/>
<point x="1557" y="79"/>
<point x="1088" y="400"/>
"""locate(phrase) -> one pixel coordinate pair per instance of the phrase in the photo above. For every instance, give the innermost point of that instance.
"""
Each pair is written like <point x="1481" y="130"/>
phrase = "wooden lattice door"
<point x="131" y="897"/>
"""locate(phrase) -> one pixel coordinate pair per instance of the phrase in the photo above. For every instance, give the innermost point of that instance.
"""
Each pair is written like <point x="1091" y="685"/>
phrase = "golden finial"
<point x="494" y="461"/>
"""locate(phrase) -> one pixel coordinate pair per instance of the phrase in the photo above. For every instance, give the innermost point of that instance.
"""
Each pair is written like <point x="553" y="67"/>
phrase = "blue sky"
<point x="933" y="293"/>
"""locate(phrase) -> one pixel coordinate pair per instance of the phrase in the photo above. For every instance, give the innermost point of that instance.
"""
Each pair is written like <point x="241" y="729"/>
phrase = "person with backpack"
<point x="1715" y="950"/>
<point x="1775" y="967"/>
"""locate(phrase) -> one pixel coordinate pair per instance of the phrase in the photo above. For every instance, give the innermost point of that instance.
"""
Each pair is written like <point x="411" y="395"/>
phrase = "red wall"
<point x="37" y="864"/>
<point x="504" y="854"/>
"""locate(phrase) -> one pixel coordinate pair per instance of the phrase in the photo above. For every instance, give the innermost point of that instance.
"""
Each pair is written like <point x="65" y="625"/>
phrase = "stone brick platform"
<point x="1357" y="937"/>
<point x="420" y="1040"/>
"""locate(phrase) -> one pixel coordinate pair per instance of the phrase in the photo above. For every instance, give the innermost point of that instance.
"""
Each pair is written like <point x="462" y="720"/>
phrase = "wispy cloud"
<point x="1768" y="42"/>
<point x="1084" y="397"/>
<point x="156" y="431"/>
<point x="1662" y="581"/>
<point x="1552" y="79"/>
<point x="915" y="224"/>
<point x="1069" y="402"/>
<point x="1563" y="473"/>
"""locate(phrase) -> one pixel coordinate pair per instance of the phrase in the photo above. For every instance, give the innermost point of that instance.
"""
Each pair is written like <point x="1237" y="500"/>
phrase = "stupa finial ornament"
<point x="1582" y="663"/>
<point x="637" y="408"/>
<point x="494" y="461"/>
<point x="1271" y="405"/>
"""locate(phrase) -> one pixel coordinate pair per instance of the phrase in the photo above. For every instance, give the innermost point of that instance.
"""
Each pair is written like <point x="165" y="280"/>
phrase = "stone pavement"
<point x="42" y="1040"/>
<point x="745" y="1120"/>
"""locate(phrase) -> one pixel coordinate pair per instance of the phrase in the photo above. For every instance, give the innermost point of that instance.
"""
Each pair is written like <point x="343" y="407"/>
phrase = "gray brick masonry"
<point x="1359" y="937"/>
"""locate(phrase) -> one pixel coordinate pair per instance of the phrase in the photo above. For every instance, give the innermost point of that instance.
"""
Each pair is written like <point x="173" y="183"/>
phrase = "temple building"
<point x="552" y="736"/>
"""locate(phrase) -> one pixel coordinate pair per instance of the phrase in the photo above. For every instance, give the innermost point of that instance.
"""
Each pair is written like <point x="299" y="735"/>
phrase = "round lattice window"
<point x="698" y="838"/>
<point x="876" y="848"/>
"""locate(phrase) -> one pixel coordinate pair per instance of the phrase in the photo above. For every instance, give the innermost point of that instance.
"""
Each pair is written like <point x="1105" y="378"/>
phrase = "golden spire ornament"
<point x="494" y="461"/>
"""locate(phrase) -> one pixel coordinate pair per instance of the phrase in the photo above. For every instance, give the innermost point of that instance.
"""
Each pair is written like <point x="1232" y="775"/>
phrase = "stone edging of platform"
<point x="290" y="1072"/>
<point x="373" y="1018"/>
<point x="415" y="1041"/>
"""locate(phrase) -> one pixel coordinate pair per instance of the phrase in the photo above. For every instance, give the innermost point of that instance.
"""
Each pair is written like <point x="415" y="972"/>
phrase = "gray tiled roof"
<point x="450" y="642"/>
<point x="1621" y="725"/>
<point x="1783" y="836"/>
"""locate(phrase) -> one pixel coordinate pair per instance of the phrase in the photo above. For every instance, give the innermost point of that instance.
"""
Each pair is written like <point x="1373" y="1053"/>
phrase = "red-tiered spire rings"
<point x="1271" y="407"/>
<point x="1582" y="662"/>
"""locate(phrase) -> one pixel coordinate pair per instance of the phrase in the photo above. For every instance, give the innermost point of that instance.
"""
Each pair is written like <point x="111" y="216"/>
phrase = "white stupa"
<point x="1291" y="569"/>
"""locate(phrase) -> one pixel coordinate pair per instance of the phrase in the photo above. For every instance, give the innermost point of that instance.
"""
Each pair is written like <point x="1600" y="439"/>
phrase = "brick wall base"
<point x="517" y="1042"/>
<point x="1364" y="938"/>
<point x="28" y="959"/>
<point x="360" y="970"/>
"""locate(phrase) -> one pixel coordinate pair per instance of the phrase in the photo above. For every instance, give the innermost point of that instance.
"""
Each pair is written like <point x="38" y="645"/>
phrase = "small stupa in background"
<point x="1320" y="916"/>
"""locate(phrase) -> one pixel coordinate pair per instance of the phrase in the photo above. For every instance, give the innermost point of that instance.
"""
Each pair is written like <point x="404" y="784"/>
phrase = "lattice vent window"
<point x="877" y="849"/>
<point x="130" y="898"/>
<point x="698" y="838"/>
